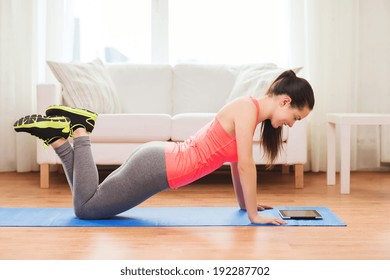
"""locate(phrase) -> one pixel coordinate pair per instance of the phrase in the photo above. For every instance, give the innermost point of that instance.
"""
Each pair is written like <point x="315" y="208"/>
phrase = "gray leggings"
<point x="140" y="177"/>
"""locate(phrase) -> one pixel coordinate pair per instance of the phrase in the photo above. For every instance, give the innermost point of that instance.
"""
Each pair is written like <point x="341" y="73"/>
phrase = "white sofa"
<point x="164" y="103"/>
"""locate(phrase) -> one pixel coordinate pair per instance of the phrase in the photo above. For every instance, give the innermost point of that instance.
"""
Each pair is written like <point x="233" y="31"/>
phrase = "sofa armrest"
<point x="47" y="95"/>
<point x="296" y="148"/>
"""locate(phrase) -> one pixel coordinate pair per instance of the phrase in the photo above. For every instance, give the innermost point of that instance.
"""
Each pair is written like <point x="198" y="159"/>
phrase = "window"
<point x="226" y="31"/>
<point x="114" y="30"/>
<point x="180" y="31"/>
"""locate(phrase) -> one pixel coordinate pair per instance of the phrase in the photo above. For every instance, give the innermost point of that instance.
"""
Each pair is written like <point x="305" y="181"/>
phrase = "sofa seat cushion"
<point x="113" y="153"/>
<point x="259" y="155"/>
<point x="186" y="125"/>
<point x="135" y="128"/>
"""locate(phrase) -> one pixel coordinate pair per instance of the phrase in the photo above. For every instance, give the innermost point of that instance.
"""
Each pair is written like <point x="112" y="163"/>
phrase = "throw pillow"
<point x="254" y="81"/>
<point x="87" y="85"/>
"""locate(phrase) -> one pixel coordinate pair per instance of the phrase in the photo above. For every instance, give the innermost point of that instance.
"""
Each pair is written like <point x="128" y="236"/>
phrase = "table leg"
<point x="331" y="154"/>
<point x="345" y="153"/>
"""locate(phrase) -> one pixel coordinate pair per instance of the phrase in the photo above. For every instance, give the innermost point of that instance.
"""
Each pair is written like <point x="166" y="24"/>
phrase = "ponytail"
<point x="271" y="138"/>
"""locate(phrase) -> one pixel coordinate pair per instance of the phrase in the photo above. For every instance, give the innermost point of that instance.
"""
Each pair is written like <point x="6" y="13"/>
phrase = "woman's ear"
<point x="285" y="100"/>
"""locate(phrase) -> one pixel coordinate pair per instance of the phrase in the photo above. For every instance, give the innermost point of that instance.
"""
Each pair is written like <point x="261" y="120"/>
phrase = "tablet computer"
<point x="300" y="214"/>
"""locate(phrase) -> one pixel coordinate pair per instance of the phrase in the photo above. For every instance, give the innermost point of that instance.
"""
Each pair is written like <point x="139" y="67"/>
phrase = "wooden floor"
<point x="366" y="212"/>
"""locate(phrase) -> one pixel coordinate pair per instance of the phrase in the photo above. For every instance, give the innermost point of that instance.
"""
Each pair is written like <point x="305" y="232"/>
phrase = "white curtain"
<point x="343" y="46"/>
<point x="27" y="37"/>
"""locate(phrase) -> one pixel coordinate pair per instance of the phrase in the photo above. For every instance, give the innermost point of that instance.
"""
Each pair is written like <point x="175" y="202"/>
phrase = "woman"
<point x="157" y="166"/>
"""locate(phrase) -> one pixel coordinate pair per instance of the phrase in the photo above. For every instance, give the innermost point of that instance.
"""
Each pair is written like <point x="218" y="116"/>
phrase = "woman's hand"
<point x="262" y="207"/>
<point x="267" y="220"/>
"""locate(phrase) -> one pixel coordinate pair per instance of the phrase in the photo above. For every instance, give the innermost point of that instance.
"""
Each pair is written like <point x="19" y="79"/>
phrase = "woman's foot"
<point x="47" y="128"/>
<point x="79" y="118"/>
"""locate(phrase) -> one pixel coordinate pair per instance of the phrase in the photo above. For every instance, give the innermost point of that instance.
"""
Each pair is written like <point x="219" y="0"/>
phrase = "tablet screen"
<point x="300" y="214"/>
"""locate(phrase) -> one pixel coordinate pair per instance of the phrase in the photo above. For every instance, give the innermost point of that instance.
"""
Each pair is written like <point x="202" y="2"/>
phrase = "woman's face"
<point x="287" y="115"/>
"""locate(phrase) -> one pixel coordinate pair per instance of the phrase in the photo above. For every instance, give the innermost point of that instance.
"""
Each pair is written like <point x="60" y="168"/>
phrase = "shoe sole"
<point x="59" y="110"/>
<point x="38" y="121"/>
<point x="46" y="129"/>
<point x="54" y="110"/>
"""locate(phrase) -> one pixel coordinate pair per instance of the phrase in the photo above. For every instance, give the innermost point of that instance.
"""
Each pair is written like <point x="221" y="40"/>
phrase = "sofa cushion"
<point x="112" y="154"/>
<point x="87" y="85"/>
<point x="255" y="80"/>
<point x="186" y="125"/>
<point x="143" y="88"/>
<point x="133" y="128"/>
<point x="259" y="155"/>
<point x="201" y="88"/>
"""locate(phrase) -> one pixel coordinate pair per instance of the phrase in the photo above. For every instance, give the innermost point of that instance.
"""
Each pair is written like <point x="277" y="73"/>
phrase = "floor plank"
<point x="365" y="211"/>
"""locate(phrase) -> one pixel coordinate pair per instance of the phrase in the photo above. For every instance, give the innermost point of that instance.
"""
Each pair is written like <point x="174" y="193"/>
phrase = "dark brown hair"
<point x="301" y="94"/>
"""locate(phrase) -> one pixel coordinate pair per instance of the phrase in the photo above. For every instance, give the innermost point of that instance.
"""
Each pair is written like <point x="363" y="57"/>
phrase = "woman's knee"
<point x="84" y="213"/>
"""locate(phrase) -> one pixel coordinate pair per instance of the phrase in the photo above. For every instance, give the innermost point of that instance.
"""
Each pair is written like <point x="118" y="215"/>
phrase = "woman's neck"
<point x="267" y="105"/>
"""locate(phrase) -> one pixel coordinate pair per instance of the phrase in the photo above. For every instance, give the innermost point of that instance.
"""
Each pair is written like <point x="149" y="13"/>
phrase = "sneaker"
<point x="46" y="128"/>
<point x="78" y="117"/>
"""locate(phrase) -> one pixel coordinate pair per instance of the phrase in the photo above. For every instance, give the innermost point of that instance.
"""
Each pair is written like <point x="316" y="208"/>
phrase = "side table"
<point x="345" y="121"/>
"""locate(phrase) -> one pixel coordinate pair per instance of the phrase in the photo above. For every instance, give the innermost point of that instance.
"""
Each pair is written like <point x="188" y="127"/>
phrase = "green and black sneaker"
<point x="78" y="117"/>
<point x="46" y="128"/>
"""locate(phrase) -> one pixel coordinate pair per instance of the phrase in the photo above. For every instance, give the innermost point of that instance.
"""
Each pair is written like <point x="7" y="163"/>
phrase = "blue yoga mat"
<point x="154" y="217"/>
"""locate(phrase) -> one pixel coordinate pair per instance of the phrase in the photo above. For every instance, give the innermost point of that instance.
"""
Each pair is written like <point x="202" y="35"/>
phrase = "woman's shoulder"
<point x="243" y="104"/>
<point x="244" y="101"/>
<point x="241" y="108"/>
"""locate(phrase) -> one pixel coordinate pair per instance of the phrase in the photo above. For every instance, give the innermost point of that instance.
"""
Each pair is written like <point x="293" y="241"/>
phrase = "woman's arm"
<point x="238" y="189"/>
<point x="237" y="185"/>
<point x="244" y="124"/>
<point x="247" y="173"/>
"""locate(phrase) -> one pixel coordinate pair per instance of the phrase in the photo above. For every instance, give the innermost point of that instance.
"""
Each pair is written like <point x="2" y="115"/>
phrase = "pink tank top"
<point x="200" y="155"/>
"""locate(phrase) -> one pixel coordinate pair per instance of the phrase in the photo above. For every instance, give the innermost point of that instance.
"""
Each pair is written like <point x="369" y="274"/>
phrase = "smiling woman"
<point x="161" y="165"/>
<point x="297" y="95"/>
